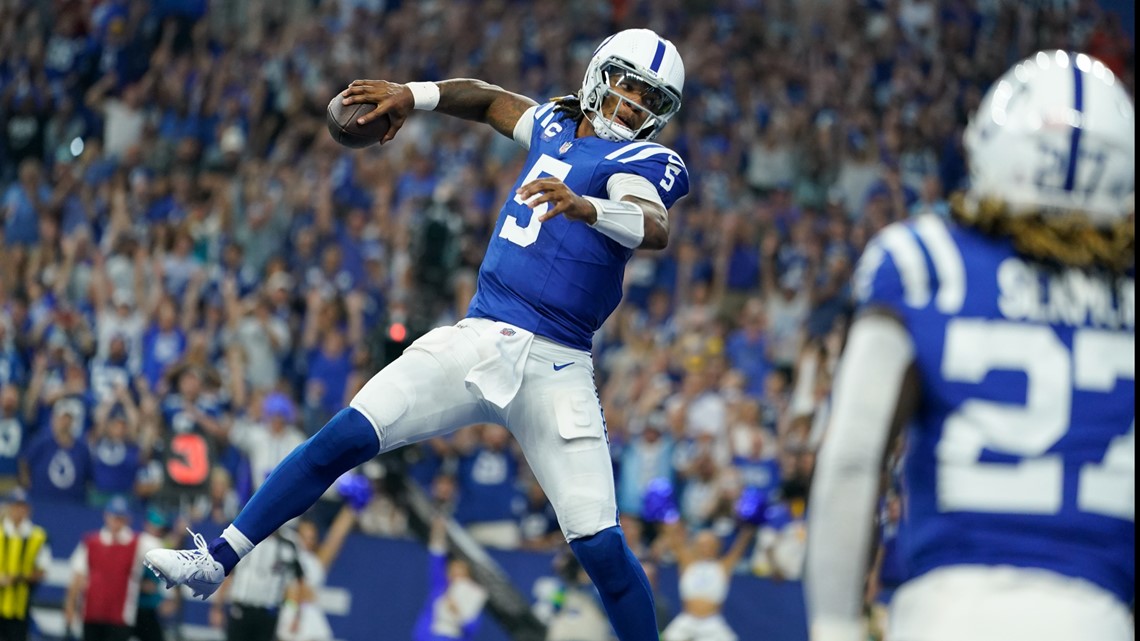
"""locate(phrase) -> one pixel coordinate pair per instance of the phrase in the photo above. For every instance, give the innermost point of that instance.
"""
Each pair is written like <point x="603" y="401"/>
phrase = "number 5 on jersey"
<point x="524" y="236"/>
<point x="671" y="171"/>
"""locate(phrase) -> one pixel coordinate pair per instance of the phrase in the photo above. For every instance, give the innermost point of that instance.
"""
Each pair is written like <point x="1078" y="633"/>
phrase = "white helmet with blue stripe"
<point x="643" y="61"/>
<point x="1055" y="134"/>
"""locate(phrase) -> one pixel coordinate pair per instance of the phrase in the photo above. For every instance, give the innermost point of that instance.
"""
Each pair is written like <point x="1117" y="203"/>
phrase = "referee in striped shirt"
<point x="249" y="600"/>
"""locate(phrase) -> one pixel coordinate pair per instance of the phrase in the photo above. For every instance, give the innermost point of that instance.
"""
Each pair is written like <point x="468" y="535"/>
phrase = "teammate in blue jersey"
<point x="594" y="188"/>
<point x="1006" y="339"/>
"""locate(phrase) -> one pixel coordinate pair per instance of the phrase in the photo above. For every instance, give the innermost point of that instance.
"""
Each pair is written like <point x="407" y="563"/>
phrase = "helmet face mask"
<point x="658" y="100"/>
<point x="638" y="68"/>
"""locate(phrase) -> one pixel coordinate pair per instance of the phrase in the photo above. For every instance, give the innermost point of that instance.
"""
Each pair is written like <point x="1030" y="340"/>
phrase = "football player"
<point x="595" y="187"/>
<point x="1006" y="339"/>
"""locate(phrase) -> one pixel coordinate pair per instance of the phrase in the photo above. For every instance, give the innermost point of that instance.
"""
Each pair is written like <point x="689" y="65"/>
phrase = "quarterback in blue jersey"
<point x="595" y="187"/>
<point x="1004" y="341"/>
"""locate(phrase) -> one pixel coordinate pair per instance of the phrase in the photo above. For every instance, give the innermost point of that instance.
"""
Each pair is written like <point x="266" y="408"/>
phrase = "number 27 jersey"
<point x="561" y="278"/>
<point x="1022" y="451"/>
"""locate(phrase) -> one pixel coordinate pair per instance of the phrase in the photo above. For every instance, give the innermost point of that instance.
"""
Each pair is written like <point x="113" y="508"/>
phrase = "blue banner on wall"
<point x="385" y="581"/>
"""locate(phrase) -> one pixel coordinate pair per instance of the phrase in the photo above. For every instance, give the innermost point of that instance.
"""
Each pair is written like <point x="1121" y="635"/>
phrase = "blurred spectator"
<point x="57" y="465"/>
<point x="106" y="568"/>
<point x="707" y="493"/>
<point x="12" y="367"/>
<point x="757" y="467"/>
<point x="698" y="408"/>
<point x="116" y="459"/>
<point x="382" y="516"/>
<point x="155" y="602"/>
<point x="193" y="408"/>
<point x="787" y="303"/>
<point x="248" y="604"/>
<point x="24" y="557"/>
<point x="217" y="507"/>
<point x="163" y="343"/>
<point x="123" y="114"/>
<point x="737" y="271"/>
<point x="771" y="159"/>
<point x="488" y="481"/>
<point x="538" y="524"/>
<point x="12" y="436"/>
<point x="114" y="371"/>
<point x="664" y="604"/>
<point x="267" y="436"/>
<point x="705" y="575"/>
<point x="23" y="201"/>
<point x="748" y="349"/>
<point x="329" y="350"/>
<point x="455" y="601"/>
<point x="899" y="195"/>
<point x="301" y="617"/>
<point x="930" y="200"/>
<point x="570" y="605"/>
<point x="648" y="456"/>
<point x="888" y="570"/>
<point x="262" y="337"/>
<point x="780" y="544"/>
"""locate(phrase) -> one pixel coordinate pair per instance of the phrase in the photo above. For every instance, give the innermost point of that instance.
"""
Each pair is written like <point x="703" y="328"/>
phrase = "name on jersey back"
<point x="1065" y="297"/>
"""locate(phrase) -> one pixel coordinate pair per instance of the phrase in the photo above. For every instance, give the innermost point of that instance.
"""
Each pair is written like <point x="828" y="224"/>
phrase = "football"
<point x="341" y="121"/>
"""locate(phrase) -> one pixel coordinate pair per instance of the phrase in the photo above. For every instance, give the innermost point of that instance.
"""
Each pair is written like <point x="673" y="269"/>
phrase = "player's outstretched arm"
<point x="875" y="390"/>
<point x="656" y="223"/>
<point x="635" y="222"/>
<point x="482" y="102"/>
<point x="462" y="97"/>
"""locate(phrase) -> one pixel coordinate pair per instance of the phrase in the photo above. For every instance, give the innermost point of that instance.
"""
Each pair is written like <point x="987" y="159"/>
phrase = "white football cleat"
<point x="195" y="569"/>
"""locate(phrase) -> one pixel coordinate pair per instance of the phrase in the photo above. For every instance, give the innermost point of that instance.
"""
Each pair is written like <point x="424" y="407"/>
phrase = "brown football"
<point x="341" y="120"/>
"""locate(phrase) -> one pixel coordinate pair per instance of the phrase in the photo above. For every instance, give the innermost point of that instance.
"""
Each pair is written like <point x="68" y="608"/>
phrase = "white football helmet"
<point x="646" y="63"/>
<point x="1055" y="134"/>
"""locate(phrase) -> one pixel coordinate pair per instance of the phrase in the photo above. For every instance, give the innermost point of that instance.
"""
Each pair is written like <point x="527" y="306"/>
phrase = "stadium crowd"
<point x="194" y="276"/>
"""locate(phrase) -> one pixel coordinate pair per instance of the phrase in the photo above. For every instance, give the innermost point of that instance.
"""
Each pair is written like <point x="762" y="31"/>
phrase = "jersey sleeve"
<point x="533" y="121"/>
<point x="876" y="281"/>
<point x="891" y="273"/>
<point x="524" y="128"/>
<point x="912" y="266"/>
<point x="661" y="166"/>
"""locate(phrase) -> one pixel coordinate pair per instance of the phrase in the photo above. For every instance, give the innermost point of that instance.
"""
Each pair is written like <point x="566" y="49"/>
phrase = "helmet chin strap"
<point x="607" y="129"/>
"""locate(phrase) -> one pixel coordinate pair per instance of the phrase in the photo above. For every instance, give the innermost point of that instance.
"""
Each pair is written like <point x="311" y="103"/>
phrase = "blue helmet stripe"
<point x="1075" y="139"/>
<point x="658" y="57"/>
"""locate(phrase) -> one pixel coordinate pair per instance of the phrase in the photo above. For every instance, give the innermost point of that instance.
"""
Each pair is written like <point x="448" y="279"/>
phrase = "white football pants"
<point x="555" y="415"/>
<point x="983" y="603"/>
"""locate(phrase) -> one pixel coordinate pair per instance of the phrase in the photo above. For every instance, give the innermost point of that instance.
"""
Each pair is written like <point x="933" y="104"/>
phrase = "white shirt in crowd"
<point x="263" y="447"/>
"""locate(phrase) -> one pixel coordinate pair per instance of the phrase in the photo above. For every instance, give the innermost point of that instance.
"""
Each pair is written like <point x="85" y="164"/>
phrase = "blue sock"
<point x="621" y="582"/>
<point x="222" y="552"/>
<point x="346" y="441"/>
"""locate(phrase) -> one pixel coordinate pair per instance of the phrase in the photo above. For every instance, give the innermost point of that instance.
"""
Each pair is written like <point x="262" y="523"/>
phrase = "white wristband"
<point x="620" y="220"/>
<point x="426" y="95"/>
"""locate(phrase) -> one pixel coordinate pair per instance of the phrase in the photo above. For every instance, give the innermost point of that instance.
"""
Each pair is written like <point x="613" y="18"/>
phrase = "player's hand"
<point x="390" y="98"/>
<point x="560" y="198"/>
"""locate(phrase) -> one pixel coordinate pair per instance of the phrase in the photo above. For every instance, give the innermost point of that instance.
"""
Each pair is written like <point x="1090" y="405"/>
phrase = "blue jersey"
<point x="488" y="487"/>
<point x="560" y="279"/>
<point x="1022" y="450"/>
